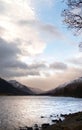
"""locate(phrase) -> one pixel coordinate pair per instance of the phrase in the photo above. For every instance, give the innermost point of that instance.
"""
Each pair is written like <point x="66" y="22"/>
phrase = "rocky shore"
<point x="71" y="122"/>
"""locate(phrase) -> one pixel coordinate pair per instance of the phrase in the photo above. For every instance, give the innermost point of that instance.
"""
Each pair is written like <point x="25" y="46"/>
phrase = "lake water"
<point x="16" y="111"/>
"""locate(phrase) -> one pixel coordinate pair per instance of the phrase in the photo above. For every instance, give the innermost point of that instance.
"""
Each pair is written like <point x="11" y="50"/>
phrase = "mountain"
<point x="21" y="87"/>
<point x="71" y="89"/>
<point x="32" y="91"/>
<point x="7" y="88"/>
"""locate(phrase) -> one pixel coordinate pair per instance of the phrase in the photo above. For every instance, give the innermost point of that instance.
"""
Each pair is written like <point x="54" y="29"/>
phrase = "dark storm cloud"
<point x="11" y="72"/>
<point x="58" y="66"/>
<point x="11" y="66"/>
<point x="8" y="50"/>
<point x="33" y="73"/>
<point x="9" y="56"/>
<point x="37" y="66"/>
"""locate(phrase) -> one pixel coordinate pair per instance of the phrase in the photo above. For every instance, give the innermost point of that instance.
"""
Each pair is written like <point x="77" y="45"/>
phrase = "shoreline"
<point x="71" y="122"/>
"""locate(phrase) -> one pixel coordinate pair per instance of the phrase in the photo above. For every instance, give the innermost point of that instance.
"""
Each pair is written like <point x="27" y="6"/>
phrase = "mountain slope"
<point x="72" y="89"/>
<point x="8" y="89"/>
<point x="21" y="87"/>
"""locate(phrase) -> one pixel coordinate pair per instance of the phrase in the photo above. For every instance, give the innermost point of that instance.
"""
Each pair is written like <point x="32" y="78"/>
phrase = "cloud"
<point x="37" y="66"/>
<point x="58" y="66"/>
<point x="48" y="29"/>
<point x="10" y="64"/>
<point x="51" y="30"/>
<point x="53" y="81"/>
<point x="77" y="60"/>
<point x="18" y="73"/>
<point x="9" y="58"/>
<point x="47" y="3"/>
<point x="11" y="73"/>
<point x="33" y="73"/>
<point x="13" y="11"/>
<point x="8" y="50"/>
<point x="21" y="23"/>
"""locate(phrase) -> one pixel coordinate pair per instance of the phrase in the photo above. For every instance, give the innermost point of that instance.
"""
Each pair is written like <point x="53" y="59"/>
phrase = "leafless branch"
<point x="73" y="20"/>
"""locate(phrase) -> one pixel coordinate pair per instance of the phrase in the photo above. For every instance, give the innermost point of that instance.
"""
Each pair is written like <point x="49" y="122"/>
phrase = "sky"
<point x="36" y="47"/>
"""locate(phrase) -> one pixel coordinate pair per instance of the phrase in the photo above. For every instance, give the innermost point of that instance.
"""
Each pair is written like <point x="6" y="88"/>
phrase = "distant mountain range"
<point x="70" y="89"/>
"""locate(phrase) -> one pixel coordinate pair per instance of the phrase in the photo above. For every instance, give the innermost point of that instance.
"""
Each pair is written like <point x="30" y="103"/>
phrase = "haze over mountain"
<point x="36" y="90"/>
<point x="71" y="89"/>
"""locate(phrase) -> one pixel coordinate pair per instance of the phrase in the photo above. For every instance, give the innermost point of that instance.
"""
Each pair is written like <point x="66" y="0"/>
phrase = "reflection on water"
<point x="27" y="110"/>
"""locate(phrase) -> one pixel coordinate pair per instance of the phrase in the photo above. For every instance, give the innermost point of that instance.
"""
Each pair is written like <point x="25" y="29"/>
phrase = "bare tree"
<point x="73" y="15"/>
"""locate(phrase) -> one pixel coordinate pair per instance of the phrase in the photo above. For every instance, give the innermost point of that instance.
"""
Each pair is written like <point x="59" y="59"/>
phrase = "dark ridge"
<point x="8" y="89"/>
<point x="70" y="89"/>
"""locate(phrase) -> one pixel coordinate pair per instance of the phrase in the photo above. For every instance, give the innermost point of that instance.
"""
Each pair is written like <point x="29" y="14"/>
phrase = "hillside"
<point x="7" y="88"/>
<point x="21" y="87"/>
<point x="24" y="88"/>
<point x="71" y="89"/>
